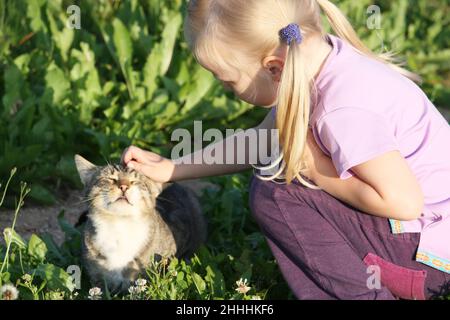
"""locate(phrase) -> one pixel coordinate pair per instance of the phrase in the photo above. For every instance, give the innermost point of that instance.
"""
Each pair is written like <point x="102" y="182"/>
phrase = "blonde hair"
<point x="254" y="26"/>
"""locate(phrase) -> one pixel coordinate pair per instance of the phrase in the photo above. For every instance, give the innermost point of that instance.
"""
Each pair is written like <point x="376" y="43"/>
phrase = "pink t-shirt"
<point x="365" y="109"/>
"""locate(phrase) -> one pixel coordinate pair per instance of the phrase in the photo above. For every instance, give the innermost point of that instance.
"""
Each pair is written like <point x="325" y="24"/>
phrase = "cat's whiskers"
<point x="82" y="202"/>
<point x="86" y="199"/>
<point x="106" y="160"/>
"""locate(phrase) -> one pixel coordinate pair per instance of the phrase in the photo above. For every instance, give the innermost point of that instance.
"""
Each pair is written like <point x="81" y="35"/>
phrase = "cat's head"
<point x="117" y="190"/>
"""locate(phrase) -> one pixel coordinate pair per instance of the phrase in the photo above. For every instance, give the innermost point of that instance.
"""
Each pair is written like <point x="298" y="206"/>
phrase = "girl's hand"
<point x="148" y="163"/>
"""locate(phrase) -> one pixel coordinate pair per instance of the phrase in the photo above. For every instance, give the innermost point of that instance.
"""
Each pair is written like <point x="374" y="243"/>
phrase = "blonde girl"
<point x="364" y="210"/>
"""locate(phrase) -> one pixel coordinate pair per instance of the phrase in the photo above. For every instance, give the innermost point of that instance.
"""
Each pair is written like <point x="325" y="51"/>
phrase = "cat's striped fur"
<point x="131" y="219"/>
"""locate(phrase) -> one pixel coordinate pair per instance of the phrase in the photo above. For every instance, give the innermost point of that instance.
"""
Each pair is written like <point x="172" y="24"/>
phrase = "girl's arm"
<point x="193" y="166"/>
<point x="384" y="186"/>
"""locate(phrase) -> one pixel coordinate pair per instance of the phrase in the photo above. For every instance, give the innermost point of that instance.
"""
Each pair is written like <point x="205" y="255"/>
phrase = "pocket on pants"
<point x="404" y="283"/>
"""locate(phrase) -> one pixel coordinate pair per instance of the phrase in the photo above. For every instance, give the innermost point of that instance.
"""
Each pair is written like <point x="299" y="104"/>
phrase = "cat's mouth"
<point x="123" y="198"/>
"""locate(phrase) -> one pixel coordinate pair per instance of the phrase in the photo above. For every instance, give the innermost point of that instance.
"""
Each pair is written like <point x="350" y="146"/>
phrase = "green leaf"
<point x="42" y="194"/>
<point x="14" y="82"/>
<point x="122" y="41"/>
<point x="55" y="277"/>
<point x="5" y="277"/>
<point x="160" y="58"/>
<point x="41" y="127"/>
<point x="102" y="140"/>
<point x="53" y="250"/>
<point x="64" y="38"/>
<point x="34" y="14"/>
<point x="22" y="62"/>
<point x="66" y="168"/>
<point x="37" y="248"/>
<point x="201" y="83"/>
<point x="199" y="283"/>
<point x="154" y="12"/>
<point x="216" y="281"/>
<point x="150" y="71"/>
<point x="11" y="235"/>
<point x="70" y="231"/>
<point x="124" y="48"/>
<point x="169" y="36"/>
<point x="170" y="110"/>
<point x="56" y="80"/>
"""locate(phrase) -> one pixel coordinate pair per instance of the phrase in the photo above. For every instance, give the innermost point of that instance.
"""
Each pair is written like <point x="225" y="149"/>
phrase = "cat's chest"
<point x="121" y="240"/>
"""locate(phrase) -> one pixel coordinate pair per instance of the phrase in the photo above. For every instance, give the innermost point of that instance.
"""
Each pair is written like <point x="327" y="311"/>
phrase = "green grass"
<point x="126" y="77"/>
<point x="235" y="250"/>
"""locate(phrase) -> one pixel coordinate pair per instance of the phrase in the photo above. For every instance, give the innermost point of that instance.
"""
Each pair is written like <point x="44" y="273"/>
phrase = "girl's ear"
<point x="274" y="66"/>
<point x="86" y="169"/>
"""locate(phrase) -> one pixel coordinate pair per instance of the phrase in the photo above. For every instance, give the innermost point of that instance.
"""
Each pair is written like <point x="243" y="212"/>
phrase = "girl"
<point x="364" y="212"/>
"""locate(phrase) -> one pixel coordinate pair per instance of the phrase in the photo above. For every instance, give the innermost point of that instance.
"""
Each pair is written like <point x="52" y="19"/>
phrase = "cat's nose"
<point x="124" y="184"/>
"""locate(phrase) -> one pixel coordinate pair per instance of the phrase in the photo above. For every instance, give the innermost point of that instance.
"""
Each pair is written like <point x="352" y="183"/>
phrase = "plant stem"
<point x="23" y="193"/>
<point x="13" y="172"/>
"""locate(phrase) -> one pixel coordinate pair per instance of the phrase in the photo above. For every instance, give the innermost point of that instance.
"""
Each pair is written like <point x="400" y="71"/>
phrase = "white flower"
<point x="136" y="289"/>
<point x="95" y="293"/>
<point x="255" y="298"/>
<point x="132" y="290"/>
<point x="140" y="289"/>
<point x="141" y="282"/>
<point x="242" y="286"/>
<point x="9" y="292"/>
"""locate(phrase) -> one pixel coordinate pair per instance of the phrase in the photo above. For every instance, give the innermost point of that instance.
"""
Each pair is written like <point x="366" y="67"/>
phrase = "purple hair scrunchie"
<point x="290" y="33"/>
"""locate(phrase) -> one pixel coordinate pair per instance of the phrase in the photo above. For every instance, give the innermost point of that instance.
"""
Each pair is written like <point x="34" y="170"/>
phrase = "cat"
<point x="132" y="219"/>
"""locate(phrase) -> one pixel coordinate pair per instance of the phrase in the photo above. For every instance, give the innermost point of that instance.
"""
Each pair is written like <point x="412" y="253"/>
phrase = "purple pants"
<point x="327" y="249"/>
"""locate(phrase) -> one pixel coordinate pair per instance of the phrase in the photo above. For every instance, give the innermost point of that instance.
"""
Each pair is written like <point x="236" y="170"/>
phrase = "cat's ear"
<point x="86" y="169"/>
<point x="155" y="188"/>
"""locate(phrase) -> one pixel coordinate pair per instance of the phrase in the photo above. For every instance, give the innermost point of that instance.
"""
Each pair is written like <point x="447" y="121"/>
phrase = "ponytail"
<point x="293" y="114"/>
<point x="345" y="31"/>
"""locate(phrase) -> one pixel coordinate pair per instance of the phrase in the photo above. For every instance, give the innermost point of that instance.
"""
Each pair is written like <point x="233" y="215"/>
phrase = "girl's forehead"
<point x="220" y="68"/>
<point x="219" y="59"/>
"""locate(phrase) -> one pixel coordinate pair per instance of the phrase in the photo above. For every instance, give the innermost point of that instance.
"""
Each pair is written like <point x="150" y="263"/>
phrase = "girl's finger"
<point x="131" y="153"/>
<point x="136" y="166"/>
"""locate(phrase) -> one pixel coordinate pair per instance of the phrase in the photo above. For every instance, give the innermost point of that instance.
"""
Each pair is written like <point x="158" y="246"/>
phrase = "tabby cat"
<point x="132" y="219"/>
